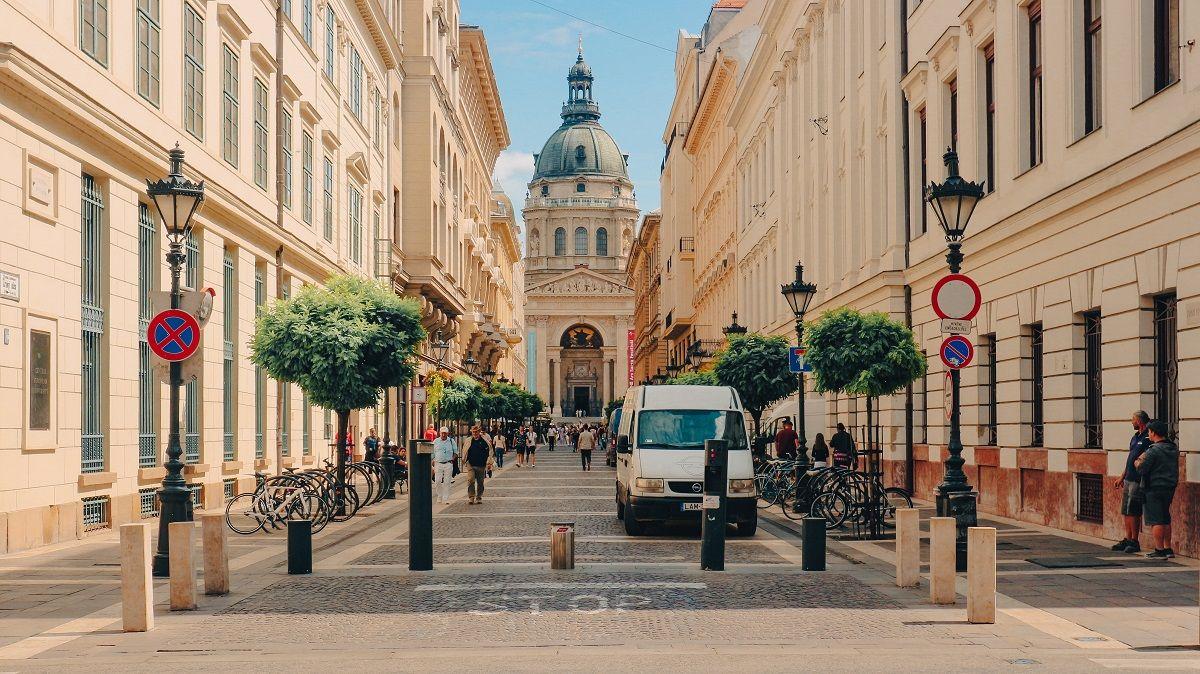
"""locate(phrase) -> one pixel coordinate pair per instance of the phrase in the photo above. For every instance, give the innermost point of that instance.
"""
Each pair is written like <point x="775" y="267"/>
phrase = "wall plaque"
<point x="39" y="380"/>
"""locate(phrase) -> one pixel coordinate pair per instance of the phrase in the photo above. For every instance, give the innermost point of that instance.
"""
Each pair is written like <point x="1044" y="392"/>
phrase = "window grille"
<point x="261" y="133"/>
<point x="92" y="366"/>
<point x="191" y="422"/>
<point x="992" y="372"/>
<point x="327" y="182"/>
<point x="149" y="45"/>
<point x="921" y="406"/>
<point x="197" y="493"/>
<point x="147" y="382"/>
<point x="1166" y="361"/>
<point x="306" y="178"/>
<point x="260" y="377"/>
<point x="560" y="241"/>
<point x="193" y="72"/>
<point x="1089" y="497"/>
<point x="305" y="425"/>
<point x="285" y="425"/>
<point x="1034" y="11"/>
<point x="148" y="502"/>
<point x="1038" y="384"/>
<point x="581" y="241"/>
<point x="1094" y="381"/>
<point x="356" y="205"/>
<point x="1093" y="64"/>
<point x="285" y="140"/>
<point x="93" y="29"/>
<point x="229" y="486"/>
<point x="191" y="266"/>
<point x="989" y="99"/>
<point x="96" y="513"/>
<point x="229" y="105"/>
<point x="229" y="283"/>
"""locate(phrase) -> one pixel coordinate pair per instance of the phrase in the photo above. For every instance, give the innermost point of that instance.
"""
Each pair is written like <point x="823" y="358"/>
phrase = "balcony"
<point x="580" y="202"/>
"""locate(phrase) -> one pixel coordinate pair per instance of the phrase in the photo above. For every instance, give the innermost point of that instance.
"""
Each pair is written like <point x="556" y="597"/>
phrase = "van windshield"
<point x="688" y="429"/>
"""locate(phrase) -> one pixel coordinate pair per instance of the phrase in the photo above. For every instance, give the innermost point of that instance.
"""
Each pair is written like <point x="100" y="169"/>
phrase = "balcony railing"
<point x="587" y="202"/>
<point x="687" y="244"/>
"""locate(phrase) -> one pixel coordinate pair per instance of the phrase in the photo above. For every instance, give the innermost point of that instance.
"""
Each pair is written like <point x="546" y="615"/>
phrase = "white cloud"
<point x="514" y="168"/>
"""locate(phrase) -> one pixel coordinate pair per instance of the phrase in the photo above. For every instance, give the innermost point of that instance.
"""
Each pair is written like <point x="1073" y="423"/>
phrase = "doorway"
<point x="582" y="399"/>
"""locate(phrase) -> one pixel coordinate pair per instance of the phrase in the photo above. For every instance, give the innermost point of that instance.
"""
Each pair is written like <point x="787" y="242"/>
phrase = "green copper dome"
<point x="580" y="146"/>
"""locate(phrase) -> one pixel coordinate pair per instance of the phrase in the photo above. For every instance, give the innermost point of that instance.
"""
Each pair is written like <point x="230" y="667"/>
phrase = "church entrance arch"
<point x="582" y="357"/>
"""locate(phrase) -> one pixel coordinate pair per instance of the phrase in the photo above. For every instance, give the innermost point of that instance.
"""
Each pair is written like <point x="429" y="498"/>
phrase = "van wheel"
<point x="747" y="529"/>
<point x="632" y="526"/>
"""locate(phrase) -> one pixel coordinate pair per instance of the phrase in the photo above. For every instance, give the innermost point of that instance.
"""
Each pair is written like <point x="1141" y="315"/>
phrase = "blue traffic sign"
<point x="957" y="352"/>
<point x="173" y="335"/>
<point x="796" y="361"/>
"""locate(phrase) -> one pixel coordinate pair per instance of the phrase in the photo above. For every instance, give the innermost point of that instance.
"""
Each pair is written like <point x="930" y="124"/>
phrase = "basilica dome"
<point x="580" y="146"/>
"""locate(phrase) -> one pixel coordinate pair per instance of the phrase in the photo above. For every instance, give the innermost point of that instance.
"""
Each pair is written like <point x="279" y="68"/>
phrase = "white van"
<point x="660" y="455"/>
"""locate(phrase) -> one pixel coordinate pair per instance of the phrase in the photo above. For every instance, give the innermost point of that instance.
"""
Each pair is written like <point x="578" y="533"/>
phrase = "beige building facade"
<point x="1080" y="117"/>
<point x="293" y="117"/>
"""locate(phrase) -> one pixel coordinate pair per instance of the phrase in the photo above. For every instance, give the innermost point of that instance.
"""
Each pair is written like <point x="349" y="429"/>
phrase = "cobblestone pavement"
<point x="492" y="604"/>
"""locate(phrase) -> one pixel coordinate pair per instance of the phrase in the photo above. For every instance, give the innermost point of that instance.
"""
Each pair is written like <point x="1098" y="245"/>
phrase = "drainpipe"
<point x="902" y="67"/>
<point x="279" y="28"/>
<point x="278" y="384"/>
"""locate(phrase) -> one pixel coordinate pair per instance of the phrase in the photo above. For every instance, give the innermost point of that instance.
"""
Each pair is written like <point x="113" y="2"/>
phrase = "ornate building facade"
<point x="580" y="215"/>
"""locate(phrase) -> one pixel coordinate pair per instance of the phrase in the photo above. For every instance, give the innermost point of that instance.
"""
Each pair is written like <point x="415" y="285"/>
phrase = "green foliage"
<point x="757" y="366"/>
<point x="434" y="385"/>
<point x="342" y="343"/>
<point x="702" y="378"/>
<point x="460" y="400"/>
<point x="613" y="405"/>
<point x="862" y="354"/>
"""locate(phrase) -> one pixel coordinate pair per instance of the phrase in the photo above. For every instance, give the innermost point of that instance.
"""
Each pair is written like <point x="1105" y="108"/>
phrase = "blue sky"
<point x="532" y="47"/>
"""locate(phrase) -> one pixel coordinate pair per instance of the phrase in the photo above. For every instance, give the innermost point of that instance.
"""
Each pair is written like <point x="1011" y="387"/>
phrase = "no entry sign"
<point x="957" y="352"/>
<point x="173" y="335"/>
<point x="956" y="296"/>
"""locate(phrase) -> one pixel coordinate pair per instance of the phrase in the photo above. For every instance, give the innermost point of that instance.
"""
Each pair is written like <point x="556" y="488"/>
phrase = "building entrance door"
<point x="582" y="399"/>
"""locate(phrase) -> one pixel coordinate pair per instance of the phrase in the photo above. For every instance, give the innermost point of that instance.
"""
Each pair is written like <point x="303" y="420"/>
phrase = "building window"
<point x="285" y="423"/>
<point x="261" y="133"/>
<point x="197" y="494"/>
<point x="191" y="422"/>
<point x="286" y="7"/>
<point x="193" y="72"/>
<point x="228" y="374"/>
<point x="1166" y="43"/>
<point x="149" y="46"/>
<point x="148" y="502"/>
<point x="923" y="165"/>
<point x="306" y="177"/>
<point x="260" y="376"/>
<point x="581" y="241"/>
<point x="356" y="206"/>
<point x="921" y="407"/>
<point x="93" y="29"/>
<point x="1166" y="361"/>
<point x="989" y="113"/>
<point x="306" y="21"/>
<point x="1035" y="83"/>
<point x="96" y="513"/>
<point x="1093" y="422"/>
<point x="93" y="273"/>
<point x="1092" y="67"/>
<point x="191" y="263"/>
<point x="545" y="190"/>
<point x="1038" y="384"/>
<point x="952" y="86"/>
<point x="285" y="146"/>
<point x="305" y="425"/>
<point x="560" y="241"/>
<point x="378" y="119"/>
<point x="991" y="435"/>
<point x="330" y="44"/>
<point x="147" y="382"/>
<point x="602" y="241"/>
<point x="356" y="83"/>
<point x="229" y="487"/>
<point x="327" y="198"/>
<point x="581" y="187"/>
<point x="229" y="105"/>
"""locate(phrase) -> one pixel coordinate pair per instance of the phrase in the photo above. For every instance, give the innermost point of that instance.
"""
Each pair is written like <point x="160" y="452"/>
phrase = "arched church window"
<point x="580" y="154"/>
<point x="560" y="241"/>
<point x="545" y="190"/>
<point x="581" y="187"/>
<point x="602" y="241"/>
<point x="581" y="241"/>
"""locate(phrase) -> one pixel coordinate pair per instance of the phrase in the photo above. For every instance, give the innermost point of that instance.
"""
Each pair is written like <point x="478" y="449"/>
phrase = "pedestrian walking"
<point x="498" y="445"/>
<point x="445" y="450"/>
<point x="531" y="447"/>
<point x="786" y="441"/>
<point x="575" y="438"/>
<point x="371" y="446"/>
<point x="844" y="453"/>
<point x="519" y="444"/>
<point x="587" y="442"/>
<point x="1130" y="484"/>
<point x="478" y="460"/>
<point x="1159" y="470"/>
<point x="551" y="436"/>
<point x="430" y="433"/>
<point x="820" y="452"/>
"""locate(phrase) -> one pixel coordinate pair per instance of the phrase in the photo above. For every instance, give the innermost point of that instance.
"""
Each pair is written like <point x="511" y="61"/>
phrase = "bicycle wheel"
<point x="768" y="488"/>
<point x="894" y="497"/>
<point x="832" y="507"/>
<point x="242" y="516"/>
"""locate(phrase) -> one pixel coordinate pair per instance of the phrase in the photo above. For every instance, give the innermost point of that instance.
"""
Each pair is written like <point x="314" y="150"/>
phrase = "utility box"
<point x="562" y="545"/>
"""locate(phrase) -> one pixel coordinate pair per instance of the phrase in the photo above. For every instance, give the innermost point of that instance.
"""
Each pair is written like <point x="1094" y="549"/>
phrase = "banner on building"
<point x="629" y="354"/>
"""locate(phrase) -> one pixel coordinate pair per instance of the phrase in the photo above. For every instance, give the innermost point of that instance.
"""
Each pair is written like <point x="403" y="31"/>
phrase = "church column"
<point x="552" y="395"/>
<point x="609" y="389"/>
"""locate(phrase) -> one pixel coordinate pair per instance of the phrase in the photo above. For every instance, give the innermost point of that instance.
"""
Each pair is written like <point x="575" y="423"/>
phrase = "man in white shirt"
<point x="551" y="436"/>
<point x="444" y="451"/>
<point x="531" y="442"/>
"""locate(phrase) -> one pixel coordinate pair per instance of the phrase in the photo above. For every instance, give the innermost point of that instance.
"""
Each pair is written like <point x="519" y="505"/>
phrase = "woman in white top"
<point x="531" y="441"/>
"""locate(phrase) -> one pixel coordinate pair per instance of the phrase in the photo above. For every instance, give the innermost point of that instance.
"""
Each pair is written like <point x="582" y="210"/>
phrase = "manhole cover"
<point x="1071" y="562"/>
<point x="1024" y="661"/>
<point x="1090" y="639"/>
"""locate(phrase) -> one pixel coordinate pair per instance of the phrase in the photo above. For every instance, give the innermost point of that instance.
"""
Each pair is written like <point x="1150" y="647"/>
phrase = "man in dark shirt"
<point x="1130" y="484"/>
<point x="479" y="455"/>
<point x="1159" y="468"/>
<point x="785" y="441"/>
<point x="843" y="448"/>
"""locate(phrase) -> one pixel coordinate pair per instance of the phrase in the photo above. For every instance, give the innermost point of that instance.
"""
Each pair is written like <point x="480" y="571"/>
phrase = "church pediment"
<point x="580" y="282"/>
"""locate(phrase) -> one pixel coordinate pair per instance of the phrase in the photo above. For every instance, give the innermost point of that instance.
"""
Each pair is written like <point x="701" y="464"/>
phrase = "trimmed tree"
<point x="757" y="367"/>
<point x="342" y="343"/>
<point x="702" y="378"/>
<point x="612" y="406"/>
<point x="460" y="400"/>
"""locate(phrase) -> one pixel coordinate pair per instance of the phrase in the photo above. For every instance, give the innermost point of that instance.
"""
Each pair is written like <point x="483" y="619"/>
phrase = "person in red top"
<point x="430" y="433"/>
<point x="786" y="441"/>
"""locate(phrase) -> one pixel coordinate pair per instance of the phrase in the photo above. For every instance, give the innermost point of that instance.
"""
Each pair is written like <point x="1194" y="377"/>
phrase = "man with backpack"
<point x="844" y="453"/>
<point x="1159" y="470"/>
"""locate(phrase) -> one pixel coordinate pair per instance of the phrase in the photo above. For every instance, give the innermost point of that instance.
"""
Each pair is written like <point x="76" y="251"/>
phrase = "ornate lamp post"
<point x="673" y="368"/>
<point x="440" y="347"/>
<point x="659" y="378"/>
<point x="799" y="294"/>
<point x="733" y="329"/>
<point x="470" y="365"/>
<point x="488" y="375"/>
<point x="177" y="200"/>
<point x="953" y="203"/>
<point x="503" y="379"/>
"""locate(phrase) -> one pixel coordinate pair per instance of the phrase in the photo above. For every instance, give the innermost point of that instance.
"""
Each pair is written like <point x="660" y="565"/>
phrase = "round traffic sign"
<point x="956" y="296"/>
<point x="957" y="352"/>
<point x="173" y="335"/>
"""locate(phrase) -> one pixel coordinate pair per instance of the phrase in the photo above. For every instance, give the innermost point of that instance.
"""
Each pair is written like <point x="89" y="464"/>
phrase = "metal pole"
<point x="955" y="498"/>
<point x="802" y="435"/>
<point x="175" y="503"/>
<point x="420" y="506"/>
<point x="713" y="521"/>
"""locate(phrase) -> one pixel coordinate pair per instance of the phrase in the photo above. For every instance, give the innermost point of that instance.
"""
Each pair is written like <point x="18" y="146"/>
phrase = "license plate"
<point x="690" y="506"/>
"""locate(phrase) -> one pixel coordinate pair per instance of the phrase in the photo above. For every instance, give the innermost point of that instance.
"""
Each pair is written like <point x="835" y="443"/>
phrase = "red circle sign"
<point x="173" y="335"/>
<point x="956" y="296"/>
<point x="957" y="352"/>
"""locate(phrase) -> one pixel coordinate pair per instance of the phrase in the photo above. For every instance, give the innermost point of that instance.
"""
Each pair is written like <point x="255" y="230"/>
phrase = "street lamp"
<point x="441" y="348"/>
<point x="799" y="294"/>
<point x="953" y="203"/>
<point x="470" y="365"/>
<point x="659" y="378"/>
<point x="733" y="329"/>
<point x="177" y="201"/>
<point x="503" y="379"/>
<point x="673" y="368"/>
<point x="487" y="376"/>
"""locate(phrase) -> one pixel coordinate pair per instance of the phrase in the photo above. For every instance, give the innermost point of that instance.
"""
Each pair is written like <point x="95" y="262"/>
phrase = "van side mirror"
<point x="622" y="444"/>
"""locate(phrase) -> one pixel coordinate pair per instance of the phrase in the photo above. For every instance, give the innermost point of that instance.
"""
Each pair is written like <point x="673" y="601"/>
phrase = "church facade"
<point x="580" y="215"/>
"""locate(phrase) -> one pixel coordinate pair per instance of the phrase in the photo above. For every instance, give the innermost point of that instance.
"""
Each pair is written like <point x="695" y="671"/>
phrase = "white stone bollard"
<point x="183" y="567"/>
<point x="137" y="584"/>
<point x="216" y="557"/>
<point x="908" y="547"/>
<point x="941" y="560"/>
<point x="981" y="575"/>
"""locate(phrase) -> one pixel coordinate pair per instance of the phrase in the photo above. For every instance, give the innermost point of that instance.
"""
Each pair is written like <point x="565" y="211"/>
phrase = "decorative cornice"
<point x="231" y="23"/>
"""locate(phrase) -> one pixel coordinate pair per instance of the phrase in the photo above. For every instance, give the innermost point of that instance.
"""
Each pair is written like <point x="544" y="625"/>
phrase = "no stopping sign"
<point x="173" y="335"/>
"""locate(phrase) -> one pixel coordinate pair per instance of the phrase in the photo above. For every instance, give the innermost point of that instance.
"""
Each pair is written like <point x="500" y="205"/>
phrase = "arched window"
<point x="545" y="190"/>
<point x="560" y="241"/>
<point x="581" y="241"/>
<point x="602" y="241"/>
<point x="581" y="187"/>
<point x="580" y="154"/>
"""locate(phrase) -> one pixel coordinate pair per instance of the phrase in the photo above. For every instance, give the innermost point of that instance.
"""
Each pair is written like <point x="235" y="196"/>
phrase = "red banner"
<point x="629" y="356"/>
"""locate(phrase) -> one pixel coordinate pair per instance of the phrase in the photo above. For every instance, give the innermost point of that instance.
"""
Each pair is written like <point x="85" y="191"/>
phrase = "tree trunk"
<point x="757" y="417"/>
<point x="343" y="423"/>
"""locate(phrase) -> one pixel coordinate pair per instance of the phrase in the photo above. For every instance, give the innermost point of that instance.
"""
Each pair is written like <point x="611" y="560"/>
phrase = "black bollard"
<point x="420" y="505"/>
<point x="299" y="547"/>
<point x="389" y="472"/>
<point x="813" y="558"/>
<point x="713" y="520"/>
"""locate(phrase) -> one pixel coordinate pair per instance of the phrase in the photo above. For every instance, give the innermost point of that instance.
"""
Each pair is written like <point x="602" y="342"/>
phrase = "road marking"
<point x="1064" y="629"/>
<point x="346" y="556"/>
<point x="443" y="587"/>
<point x="66" y="632"/>
<point x="1160" y="663"/>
